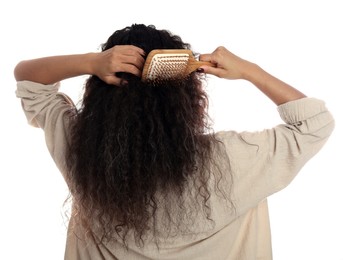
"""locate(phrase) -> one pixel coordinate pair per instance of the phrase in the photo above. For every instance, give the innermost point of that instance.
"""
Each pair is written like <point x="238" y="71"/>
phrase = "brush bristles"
<point x="167" y="66"/>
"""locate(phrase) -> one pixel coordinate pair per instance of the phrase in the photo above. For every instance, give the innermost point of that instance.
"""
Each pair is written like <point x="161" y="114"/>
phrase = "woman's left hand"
<point x="120" y="58"/>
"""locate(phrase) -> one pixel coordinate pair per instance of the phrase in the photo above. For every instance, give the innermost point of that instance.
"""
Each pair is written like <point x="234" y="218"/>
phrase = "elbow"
<point x="19" y="71"/>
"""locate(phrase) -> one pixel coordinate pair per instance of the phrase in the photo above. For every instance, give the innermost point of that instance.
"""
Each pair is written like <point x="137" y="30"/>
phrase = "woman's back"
<point x="129" y="143"/>
<point x="148" y="178"/>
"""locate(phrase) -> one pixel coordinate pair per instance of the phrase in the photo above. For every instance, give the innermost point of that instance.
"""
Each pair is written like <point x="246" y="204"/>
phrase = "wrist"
<point x="89" y="63"/>
<point x="251" y="70"/>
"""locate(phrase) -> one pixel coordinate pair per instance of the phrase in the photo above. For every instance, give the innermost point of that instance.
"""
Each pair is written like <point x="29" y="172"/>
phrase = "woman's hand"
<point x="228" y="65"/>
<point x="120" y="58"/>
<point x="105" y="65"/>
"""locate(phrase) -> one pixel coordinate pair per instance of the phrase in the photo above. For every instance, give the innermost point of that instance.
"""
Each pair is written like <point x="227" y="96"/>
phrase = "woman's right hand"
<point x="228" y="65"/>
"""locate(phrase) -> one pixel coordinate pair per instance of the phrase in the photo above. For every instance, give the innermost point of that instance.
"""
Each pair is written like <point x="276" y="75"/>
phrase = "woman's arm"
<point x="49" y="70"/>
<point x="230" y="66"/>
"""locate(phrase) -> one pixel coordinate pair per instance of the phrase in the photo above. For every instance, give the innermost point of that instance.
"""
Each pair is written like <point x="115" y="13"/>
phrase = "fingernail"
<point x="123" y="82"/>
<point x="200" y="70"/>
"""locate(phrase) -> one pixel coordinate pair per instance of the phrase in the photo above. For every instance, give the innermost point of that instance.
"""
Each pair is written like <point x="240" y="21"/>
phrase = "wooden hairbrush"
<point x="169" y="64"/>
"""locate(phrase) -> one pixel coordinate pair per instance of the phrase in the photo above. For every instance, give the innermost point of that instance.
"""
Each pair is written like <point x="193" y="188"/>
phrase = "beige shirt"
<point x="261" y="163"/>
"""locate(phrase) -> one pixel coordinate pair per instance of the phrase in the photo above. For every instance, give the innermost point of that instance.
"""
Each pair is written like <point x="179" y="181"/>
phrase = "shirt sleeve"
<point x="264" y="162"/>
<point x="46" y="108"/>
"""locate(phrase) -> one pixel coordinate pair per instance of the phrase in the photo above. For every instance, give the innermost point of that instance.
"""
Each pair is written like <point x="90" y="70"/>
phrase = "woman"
<point x="148" y="178"/>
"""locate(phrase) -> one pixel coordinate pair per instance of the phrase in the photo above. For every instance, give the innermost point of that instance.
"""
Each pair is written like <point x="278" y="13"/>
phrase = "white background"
<point x="298" y="41"/>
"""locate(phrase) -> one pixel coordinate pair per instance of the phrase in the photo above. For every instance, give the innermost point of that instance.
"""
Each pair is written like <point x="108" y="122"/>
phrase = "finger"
<point x="140" y="51"/>
<point x="135" y="60"/>
<point x="117" y="82"/>
<point x="132" y="50"/>
<point x="219" y="72"/>
<point x="205" y="57"/>
<point x="113" y="80"/>
<point x="129" y="68"/>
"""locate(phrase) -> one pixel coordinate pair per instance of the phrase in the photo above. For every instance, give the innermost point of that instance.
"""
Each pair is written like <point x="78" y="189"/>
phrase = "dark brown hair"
<point x="137" y="149"/>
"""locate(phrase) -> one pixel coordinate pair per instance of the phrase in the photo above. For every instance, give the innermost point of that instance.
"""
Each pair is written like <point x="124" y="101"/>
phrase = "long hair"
<point x="137" y="150"/>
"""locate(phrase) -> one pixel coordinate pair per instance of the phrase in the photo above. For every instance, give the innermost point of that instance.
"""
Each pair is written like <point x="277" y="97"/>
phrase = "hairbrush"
<point x="170" y="64"/>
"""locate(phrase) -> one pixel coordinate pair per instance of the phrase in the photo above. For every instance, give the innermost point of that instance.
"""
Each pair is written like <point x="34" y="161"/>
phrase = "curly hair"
<point x="137" y="150"/>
